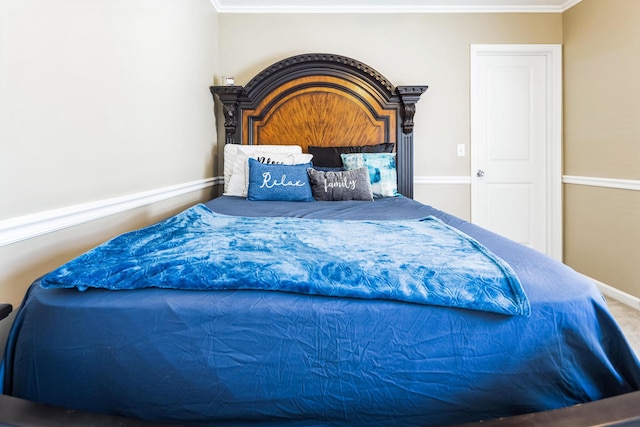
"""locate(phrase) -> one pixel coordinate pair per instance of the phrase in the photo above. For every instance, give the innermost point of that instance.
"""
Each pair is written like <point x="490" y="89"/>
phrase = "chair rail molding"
<point x="20" y="228"/>
<point x="448" y="179"/>
<point x="623" y="184"/>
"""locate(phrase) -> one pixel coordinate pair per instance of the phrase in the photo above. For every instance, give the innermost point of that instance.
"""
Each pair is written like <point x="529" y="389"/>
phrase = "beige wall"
<point x="102" y="98"/>
<point x="99" y="99"/>
<point x="419" y="49"/>
<point x="602" y="139"/>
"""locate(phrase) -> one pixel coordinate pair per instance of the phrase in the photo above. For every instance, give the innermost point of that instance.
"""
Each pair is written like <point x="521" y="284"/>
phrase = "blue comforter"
<point x="419" y="261"/>
<point x="254" y="357"/>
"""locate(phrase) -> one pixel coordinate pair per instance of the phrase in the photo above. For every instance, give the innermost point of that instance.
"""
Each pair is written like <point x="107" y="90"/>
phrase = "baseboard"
<point x="25" y="227"/>
<point x="618" y="295"/>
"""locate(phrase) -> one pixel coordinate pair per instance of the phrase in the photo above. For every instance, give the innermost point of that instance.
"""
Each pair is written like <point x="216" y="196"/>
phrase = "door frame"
<point x="553" y="60"/>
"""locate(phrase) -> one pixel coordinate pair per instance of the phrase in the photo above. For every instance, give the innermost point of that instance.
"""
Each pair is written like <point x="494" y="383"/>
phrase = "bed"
<point x="356" y="306"/>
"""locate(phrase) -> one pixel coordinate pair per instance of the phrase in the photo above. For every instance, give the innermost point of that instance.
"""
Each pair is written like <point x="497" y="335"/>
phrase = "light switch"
<point x="460" y="150"/>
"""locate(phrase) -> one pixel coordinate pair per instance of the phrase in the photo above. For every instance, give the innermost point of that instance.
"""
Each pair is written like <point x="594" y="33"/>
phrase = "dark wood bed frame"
<point x="323" y="100"/>
<point x="619" y="411"/>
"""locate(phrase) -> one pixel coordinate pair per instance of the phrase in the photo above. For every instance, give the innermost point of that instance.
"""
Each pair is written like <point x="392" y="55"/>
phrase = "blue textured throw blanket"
<point x="418" y="261"/>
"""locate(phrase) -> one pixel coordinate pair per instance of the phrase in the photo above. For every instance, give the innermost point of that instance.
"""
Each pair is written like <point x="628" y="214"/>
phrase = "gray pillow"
<point x="340" y="185"/>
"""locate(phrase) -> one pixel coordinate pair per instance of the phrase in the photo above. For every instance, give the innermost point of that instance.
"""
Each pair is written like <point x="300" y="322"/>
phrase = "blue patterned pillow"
<point x="279" y="182"/>
<point x="382" y="171"/>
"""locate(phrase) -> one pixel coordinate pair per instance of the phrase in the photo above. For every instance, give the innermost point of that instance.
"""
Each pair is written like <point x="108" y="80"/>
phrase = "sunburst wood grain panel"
<point x="321" y="111"/>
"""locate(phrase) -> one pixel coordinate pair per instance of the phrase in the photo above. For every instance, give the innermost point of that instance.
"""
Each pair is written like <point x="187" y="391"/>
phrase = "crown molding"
<point x="425" y="6"/>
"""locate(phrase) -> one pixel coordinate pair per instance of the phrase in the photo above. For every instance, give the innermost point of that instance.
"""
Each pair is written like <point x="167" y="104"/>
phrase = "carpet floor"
<point x="629" y="320"/>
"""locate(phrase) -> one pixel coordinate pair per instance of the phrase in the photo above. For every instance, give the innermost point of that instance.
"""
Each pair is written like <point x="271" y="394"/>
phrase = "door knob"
<point x="480" y="173"/>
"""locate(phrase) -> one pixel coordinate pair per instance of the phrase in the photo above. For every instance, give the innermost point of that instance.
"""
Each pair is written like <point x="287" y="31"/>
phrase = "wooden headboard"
<point x="323" y="100"/>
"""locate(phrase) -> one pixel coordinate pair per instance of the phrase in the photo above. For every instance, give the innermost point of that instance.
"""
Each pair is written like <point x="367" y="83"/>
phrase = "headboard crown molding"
<point x="319" y="63"/>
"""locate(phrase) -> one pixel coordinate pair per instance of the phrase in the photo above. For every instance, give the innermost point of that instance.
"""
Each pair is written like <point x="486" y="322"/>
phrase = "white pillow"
<point x="231" y="151"/>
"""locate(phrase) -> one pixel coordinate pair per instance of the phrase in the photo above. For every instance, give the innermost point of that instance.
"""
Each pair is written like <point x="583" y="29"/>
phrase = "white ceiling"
<point x="392" y="6"/>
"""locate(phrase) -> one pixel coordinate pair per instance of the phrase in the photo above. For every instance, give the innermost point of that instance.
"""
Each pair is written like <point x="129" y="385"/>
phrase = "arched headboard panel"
<point x="321" y="111"/>
<point x="323" y="100"/>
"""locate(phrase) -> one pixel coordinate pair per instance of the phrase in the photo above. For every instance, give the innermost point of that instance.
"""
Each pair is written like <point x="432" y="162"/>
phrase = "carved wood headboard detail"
<point x="323" y="100"/>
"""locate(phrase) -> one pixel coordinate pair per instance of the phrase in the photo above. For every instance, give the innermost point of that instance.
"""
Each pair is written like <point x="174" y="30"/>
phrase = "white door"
<point x="516" y="143"/>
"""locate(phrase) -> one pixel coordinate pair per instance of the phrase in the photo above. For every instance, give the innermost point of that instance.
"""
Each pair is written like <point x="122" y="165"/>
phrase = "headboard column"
<point x="229" y="97"/>
<point x="409" y="95"/>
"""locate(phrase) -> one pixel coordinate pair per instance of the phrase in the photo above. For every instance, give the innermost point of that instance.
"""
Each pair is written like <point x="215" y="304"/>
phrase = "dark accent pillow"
<point x="342" y="185"/>
<point x="279" y="182"/>
<point x="329" y="157"/>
